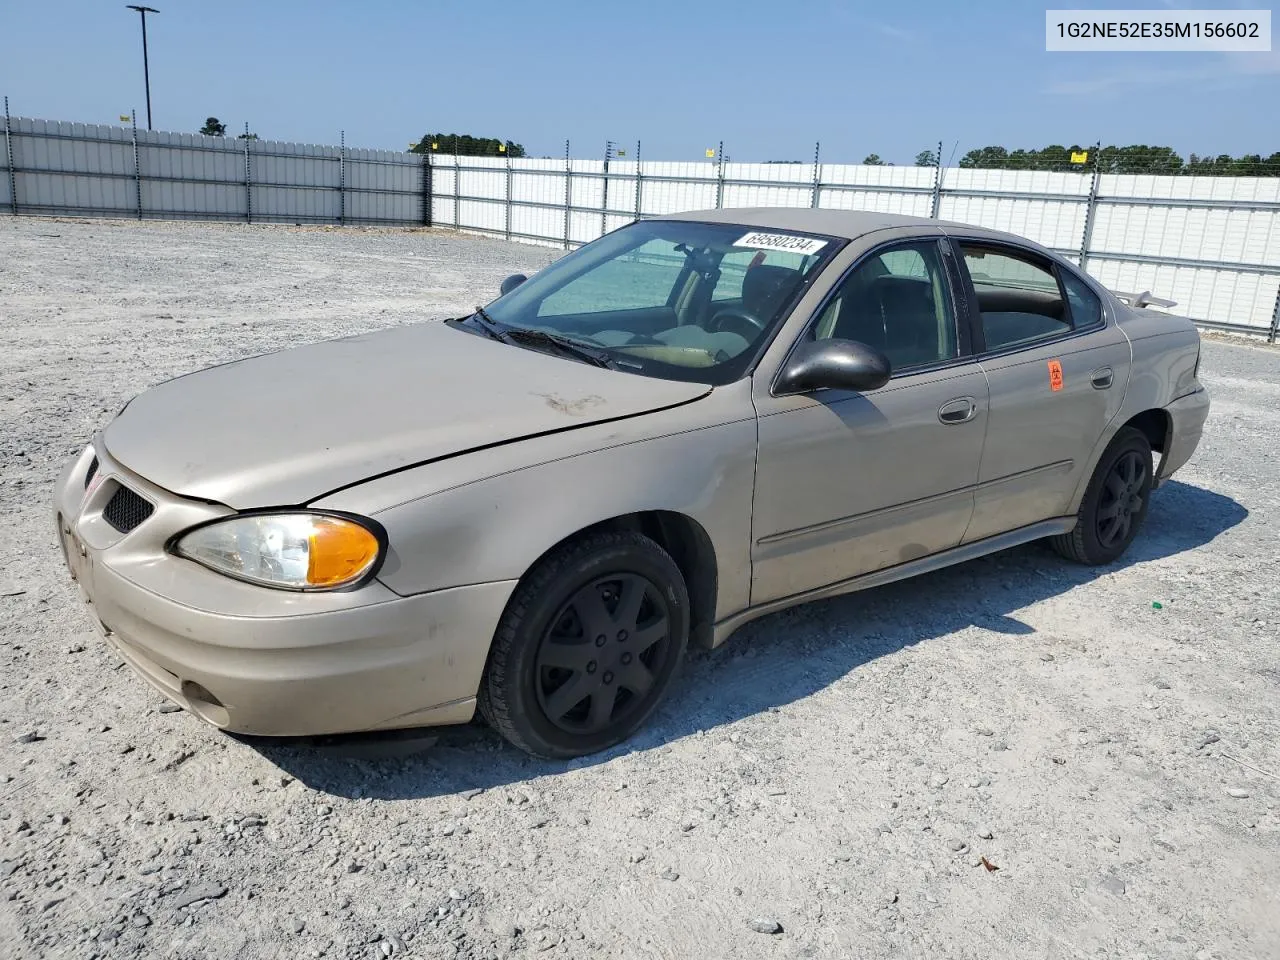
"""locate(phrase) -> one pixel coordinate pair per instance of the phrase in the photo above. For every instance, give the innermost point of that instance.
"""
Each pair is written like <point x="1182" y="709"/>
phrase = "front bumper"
<point x="1187" y="416"/>
<point x="259" y="661"/>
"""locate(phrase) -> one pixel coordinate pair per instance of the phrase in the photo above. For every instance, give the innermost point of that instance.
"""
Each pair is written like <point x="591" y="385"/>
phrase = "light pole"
<point x="146" y="70"/>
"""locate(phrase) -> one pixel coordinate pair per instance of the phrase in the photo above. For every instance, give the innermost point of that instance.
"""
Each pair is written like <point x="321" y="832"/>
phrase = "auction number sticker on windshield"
<point x="780" y="241"/>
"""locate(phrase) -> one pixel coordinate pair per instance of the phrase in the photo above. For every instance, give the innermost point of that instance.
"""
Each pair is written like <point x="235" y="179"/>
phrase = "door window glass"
<point x="1018" y="297"/>
<point x="897" y="302"/>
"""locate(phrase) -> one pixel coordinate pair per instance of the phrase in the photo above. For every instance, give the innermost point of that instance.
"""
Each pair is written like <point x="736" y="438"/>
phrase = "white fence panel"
<point x="1210" y="243"/>
<point x="910" y="204"/>
<point x="538" y="223"/>
<point x="547" y="188"/>
<point x="919" y="178"/>
<point x="753" y="195"/>
<point x="482" y="184"/>
<point x="1216" y="295"/>
<point x="1218" y="189"/>
<point x="489" y="216"/>
<point x="444" y="211"/>
<point x="672" y="187"/>
<point x="1188" y="233"/>
<point x="72" y="168"/>
<point x="1056" y="224"/>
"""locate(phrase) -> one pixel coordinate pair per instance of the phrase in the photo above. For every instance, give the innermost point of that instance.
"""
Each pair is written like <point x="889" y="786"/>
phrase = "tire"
<point x="1115" y="502"/>
<point x="600" y="624"/>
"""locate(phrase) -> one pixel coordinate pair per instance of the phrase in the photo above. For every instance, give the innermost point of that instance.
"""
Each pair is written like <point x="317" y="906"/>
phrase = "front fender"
<point x="489" y="516"/>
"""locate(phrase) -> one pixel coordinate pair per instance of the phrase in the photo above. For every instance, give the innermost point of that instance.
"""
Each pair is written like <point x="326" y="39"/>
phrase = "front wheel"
<point x="588" y="645"/>
<point x="1115" y="502"/>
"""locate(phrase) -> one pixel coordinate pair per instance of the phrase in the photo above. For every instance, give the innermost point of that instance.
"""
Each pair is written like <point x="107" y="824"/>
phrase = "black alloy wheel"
<point x="588" y="645"/>
<point x="597" y="657"/>
<point x="1114" y="504"/>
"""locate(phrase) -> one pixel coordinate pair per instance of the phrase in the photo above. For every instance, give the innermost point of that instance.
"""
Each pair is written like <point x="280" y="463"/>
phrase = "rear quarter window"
<point x="1085" y="306"/>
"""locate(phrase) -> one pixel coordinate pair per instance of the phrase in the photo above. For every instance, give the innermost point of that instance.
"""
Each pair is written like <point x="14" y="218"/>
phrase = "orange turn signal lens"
<point x="338" y="551"/>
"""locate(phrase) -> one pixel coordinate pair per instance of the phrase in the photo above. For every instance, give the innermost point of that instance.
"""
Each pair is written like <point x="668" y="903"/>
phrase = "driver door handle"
<point x="959" y="410"/>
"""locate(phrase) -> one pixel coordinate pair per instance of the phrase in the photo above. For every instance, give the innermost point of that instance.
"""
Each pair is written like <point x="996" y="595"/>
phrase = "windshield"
<point x="669" y="298"/>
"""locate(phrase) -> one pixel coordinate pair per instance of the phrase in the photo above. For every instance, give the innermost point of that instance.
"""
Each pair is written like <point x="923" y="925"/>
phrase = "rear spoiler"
<point x="1144" y="299"/>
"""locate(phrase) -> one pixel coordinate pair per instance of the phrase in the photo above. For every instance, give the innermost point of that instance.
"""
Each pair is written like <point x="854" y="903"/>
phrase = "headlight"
<point x="290" y="551"/>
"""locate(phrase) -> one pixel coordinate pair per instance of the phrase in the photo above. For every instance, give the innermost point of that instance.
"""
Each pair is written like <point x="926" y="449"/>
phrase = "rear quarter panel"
<point x="1165" y="351"/>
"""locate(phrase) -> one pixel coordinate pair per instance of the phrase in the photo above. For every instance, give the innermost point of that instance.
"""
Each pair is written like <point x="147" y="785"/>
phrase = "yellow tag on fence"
<point x="710" y="154"/>
<point x="1081" y="157"/>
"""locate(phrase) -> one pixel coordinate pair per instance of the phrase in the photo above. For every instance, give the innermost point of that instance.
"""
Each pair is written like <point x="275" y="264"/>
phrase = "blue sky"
<point x="768" y="77"/>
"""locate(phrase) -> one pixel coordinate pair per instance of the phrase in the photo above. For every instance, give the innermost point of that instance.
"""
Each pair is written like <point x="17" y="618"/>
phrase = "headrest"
<point x="765" y="287"/>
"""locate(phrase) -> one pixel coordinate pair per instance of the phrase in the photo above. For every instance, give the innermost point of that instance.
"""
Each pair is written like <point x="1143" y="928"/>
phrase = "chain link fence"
<point x="1206" y="239"/>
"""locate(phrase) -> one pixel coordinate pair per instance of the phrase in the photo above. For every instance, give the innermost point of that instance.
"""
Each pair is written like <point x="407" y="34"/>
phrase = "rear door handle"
<point x="959" y="410"/>
<point x="1102" y="378"/>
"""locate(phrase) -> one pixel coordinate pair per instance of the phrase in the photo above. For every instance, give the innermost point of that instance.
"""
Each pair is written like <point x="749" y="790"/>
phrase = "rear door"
<point x="1056" y="370"/>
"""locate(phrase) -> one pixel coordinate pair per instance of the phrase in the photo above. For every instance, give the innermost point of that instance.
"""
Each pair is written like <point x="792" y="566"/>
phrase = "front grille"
<point x="126" y="509"/>
<point x="93" y="468"/>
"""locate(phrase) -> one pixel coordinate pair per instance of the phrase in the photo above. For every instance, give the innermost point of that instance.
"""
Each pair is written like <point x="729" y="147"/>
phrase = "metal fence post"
<point x="604" y="190"/>
<point x="568" y="192"/>
<point x="639" y="180"/>
<point x="1089" y="213"/>
<point x="137" y="167"/>
<point x="508" y="229"/>
<point x="8" y="149"/>
<point x="428" y="185"/>
<point x="937" y="183"/>
<point x="342" y="177"/>
<point x="1275" y="321"/>
<point x="720" y="175"/>
<point x="817" y="175"/>
<point x="248" y="179"/>
<point x="457" y="186"/>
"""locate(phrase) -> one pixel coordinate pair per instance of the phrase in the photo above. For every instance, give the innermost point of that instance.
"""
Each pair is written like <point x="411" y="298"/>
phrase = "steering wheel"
<point x="754" y="324"/>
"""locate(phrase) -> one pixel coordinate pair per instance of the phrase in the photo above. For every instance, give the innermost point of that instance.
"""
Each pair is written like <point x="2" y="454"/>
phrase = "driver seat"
<point x="765" y="288"/>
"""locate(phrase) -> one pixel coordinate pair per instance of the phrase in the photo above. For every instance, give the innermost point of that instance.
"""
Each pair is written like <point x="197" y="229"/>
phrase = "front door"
<point x="848" y="483"/>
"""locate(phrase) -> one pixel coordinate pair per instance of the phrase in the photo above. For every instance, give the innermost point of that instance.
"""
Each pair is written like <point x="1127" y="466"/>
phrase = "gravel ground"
<point x="1016" y="757"/>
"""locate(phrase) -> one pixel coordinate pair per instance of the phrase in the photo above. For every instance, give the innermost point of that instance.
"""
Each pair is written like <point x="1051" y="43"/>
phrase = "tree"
<point x="213" y="127"/>
<point x="926" y="158"/>
<point x="465" y="145"/>
<point x="1137" y="158"/>
<point x="986" y="157"/>
<point x="873" y="160"/>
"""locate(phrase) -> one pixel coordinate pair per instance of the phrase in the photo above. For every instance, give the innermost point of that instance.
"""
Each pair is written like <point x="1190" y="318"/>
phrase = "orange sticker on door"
<point x="1055" y="375"/>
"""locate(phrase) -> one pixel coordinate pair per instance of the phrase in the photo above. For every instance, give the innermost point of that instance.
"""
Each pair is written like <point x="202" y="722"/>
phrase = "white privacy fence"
<point x="1210" y="243"/>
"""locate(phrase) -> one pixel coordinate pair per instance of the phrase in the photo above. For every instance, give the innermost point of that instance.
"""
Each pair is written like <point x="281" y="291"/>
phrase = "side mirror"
<point x="511" y="283"/>
<point x="834" y="365"/>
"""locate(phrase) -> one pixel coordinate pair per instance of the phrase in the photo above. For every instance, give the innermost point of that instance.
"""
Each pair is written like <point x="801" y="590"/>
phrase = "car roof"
<point x="848" y="224"/>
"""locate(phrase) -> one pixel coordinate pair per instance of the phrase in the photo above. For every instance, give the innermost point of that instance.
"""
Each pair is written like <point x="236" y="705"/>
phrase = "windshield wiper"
<point x="573" y="348"/>
<point x="490" y="327"/>
<point x="566" y="345"/>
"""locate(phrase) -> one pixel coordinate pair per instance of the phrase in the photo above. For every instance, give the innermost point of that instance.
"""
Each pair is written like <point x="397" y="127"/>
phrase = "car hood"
<point x="287" y="427"/>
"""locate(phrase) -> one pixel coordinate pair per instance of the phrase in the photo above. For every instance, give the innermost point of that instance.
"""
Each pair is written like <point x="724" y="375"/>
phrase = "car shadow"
<point x="769" y="662"/>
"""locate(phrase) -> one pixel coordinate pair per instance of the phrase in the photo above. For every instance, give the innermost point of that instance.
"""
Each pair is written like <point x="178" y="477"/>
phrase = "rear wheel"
<point x="587" y="647"/>
<point x="1115" y="502"/>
